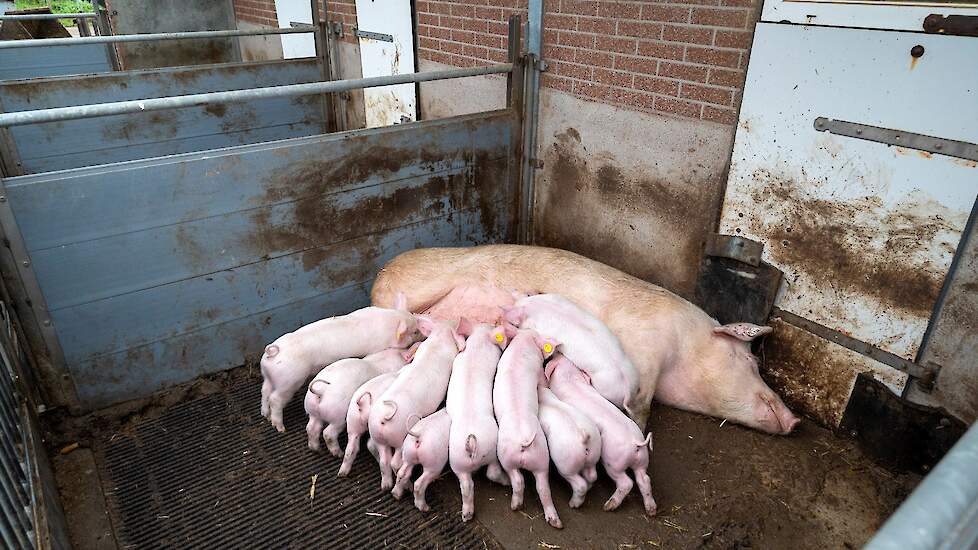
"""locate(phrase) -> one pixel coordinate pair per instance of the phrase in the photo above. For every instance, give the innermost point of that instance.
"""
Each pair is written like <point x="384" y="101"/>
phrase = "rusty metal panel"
<point x="863" y="231"/>
<point x="140" y="17"/>
<point x="72" y="144"/>
<point x="54" y="61"/>
<point x="159" y="270"/>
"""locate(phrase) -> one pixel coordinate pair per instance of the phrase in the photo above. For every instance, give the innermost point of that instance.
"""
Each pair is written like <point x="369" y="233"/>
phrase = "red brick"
<point x="440" y="8"/>
<point x="478" y="52"/>
<point x="682" y="71"/>
<point x="677" y="107"/>
<point x="744" y="58"/>
<point x="717" y="96"/>
<point x="661" y="50"/>
<point x="505" y="3"/>
<point x="461" y="10"/>
<point x="613" y="78"/>
<point x="657" y="85"/>
<point x="430" y="43"/>
<point x="579" y="7"/>
<point x="439" y="32"/>
<point x="489" y="14"/>
<point x="616" y="44"/>
<point x="560" y="21"/>
<point x="668" y="14"/>
<point x="641" y="65"/>
<point x="640" y="29"/>
<point x="620" y="10"/>
<point x="421" y="6"/>
<point x="498" y="56"/>
<point x="475" y="25"/>
<point x="733" y="18"/>
<point x="499" y="28"/>
<point x="712" y="56"/>
<point x="552" y="52"/>
<point x="608" y="94"/>
<point x="467" y="37"/>
<point x="733" y="39"/>
<point x="596" y="25"/>
<point x="452" y="22"/>
<point x="427" y="19"/>
<point x="723" y="116"/>
<point x="687" y="35"/>
<point x="723" y="77"/>
<point x="571" y="70"/>
<point x="558" y="83"/>
<point x="594" y="58"/>
<point x="737" y="3"/>
<point x="640" y="100"/>
<point x="575" y="39"/>
<point x="490" y="41"/>
<point x="451" y="47"/>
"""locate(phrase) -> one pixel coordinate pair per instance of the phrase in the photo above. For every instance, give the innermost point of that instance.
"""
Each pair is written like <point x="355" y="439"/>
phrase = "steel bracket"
<point x="910" y="140"/>
<point x="734" y="247"/>
<point x="954" y="25"/>
<point x="373" y="35"/>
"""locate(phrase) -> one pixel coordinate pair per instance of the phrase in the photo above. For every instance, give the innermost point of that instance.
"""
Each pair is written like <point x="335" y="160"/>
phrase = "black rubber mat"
<point x="212" y="473"/>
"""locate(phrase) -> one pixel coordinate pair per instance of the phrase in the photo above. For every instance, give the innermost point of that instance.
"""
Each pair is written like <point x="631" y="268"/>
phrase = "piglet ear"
<point x="547" y="345"/>
<point x="514" y="315"/>
<point x="425" y="324"/>
<point x="500" y="337"/>
<point x="744" y="332"/>
<point x="548" y="371"/>
<point x="510" y="330"/>
<point x="465" y="327"/>
<point x="401" y="331"/>
<point x="459" y="341"/>
<point x="400" y="302"/>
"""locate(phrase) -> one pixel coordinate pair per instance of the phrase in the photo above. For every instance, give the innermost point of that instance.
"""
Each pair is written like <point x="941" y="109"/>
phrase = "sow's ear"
<point x="400" y="302"/>
<point x="744" y="332"/>
<point x="465" y="327"/>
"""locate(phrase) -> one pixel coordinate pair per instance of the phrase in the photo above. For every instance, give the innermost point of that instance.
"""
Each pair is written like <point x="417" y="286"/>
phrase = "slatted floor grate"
<point x="210" y="472"/>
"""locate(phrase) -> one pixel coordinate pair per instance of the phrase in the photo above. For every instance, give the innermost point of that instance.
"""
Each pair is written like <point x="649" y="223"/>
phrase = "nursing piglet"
<point x="574" y="441"/>
<point x="622" y="444"/>
<point x="426" y="444"/>
<point x="586" y="341"/>
<point x="294" y="357"/>
<point x="472" y="443"/>
<point x="521" y="442"/>
<point x="329" y="393"/>
<point x="359" y="411"/>
<point x="417" y="392"/>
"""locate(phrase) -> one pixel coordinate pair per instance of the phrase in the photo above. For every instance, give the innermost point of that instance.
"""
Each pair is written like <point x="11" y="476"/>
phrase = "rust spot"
<point x="832" y="242"/>
<point x="967" y="163"/>
<point x="925" y="154"/>
<point x="652" y="229"/>
<point x="913" y="63"/>
<point x="216" y="109"/>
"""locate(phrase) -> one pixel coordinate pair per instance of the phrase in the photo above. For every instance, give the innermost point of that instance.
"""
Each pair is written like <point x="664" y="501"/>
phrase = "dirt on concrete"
<point x="717" y="486"/>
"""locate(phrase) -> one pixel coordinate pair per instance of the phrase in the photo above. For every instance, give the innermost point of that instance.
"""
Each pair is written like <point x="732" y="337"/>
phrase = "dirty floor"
<point x="716" y="486"/>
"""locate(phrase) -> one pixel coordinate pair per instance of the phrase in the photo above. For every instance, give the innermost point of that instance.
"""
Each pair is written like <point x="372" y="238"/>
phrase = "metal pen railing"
<point x="148" y="37"/>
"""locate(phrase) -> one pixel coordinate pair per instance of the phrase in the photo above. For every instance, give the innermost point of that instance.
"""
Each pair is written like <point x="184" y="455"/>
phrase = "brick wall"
<point x="683" y="57"/>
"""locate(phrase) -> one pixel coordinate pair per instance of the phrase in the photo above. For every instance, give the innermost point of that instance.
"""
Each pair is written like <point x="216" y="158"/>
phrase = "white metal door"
<point x="866" y="14"/>
<point x="386" y="36"/>
<point x="295" y="45"/>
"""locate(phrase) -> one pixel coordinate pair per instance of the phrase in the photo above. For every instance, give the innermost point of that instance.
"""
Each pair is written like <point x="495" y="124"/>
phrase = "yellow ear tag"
<point x="499" y="337"/>
<point x="547" y="348"/>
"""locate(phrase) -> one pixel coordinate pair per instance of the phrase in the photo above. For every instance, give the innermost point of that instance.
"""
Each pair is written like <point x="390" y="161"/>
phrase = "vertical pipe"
<point x="318" y="38"/>
<point x="514" y="102"/>
<point x="104" y="28"/>
<point x="534" y="42"/>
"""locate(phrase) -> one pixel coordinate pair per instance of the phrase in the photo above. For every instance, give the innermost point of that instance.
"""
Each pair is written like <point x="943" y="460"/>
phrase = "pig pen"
<point x="151" y="255"/>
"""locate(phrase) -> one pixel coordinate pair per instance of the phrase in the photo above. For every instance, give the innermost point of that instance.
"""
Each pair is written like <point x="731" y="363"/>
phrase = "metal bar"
<point x="373" y="35"/>
<point x="104" y="28"/>
<point x="335" y="66"/>
<point x="514" y="101"/>
<point x="534" y="40"/>
<point x="858" y="346"/>
<point x="320" y="46"/>
<point x="45" y="16"/>
<point x="149" y="37"/>
<point x="942" y="512"/>
<point x="194" y="100"/>
<point x="910" y="140"/>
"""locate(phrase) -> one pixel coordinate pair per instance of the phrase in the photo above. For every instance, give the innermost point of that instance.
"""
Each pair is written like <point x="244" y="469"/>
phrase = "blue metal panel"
<point x="157" y="271"/>
<point x="102" y="140"/>
<point x="54" y="61"/>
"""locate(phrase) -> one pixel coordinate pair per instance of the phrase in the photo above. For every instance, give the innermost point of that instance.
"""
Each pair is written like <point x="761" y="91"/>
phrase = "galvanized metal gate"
<point x="149" y="272"/>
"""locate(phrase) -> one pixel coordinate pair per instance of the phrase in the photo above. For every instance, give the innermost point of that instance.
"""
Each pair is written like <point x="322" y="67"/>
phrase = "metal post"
<point x="46" y="16"/>
<point x="82" y="25"/>
<point x="321" y="64"/>
<point x="514" y="101"/>
<point x="104" y="28"/>
<point x="149" y="37"/>
<point x="534" y="40"/>
<point x="194" y="100"/>
<point x="342" y="99"/>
